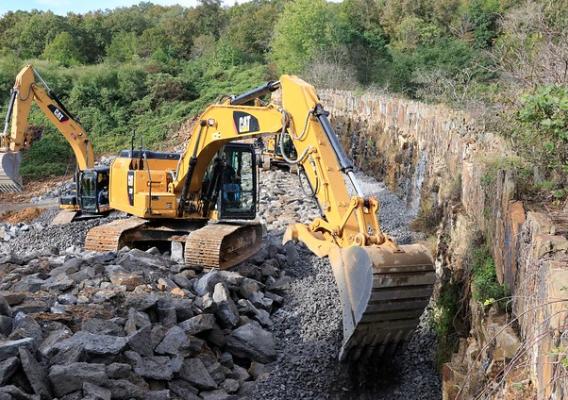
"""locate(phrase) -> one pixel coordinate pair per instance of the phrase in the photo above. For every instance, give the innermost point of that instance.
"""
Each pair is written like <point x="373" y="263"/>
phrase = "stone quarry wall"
<point x="437" y="158"/>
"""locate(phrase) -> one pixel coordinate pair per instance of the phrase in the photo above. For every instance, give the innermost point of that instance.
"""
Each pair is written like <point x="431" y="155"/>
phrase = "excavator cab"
<point x="93" y="190"/>
<point x="238" y="194"/>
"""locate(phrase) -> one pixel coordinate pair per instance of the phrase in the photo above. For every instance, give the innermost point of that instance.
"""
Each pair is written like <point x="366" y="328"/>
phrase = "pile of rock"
<point x="10" y="231"/>
<point x="135" y="324"/>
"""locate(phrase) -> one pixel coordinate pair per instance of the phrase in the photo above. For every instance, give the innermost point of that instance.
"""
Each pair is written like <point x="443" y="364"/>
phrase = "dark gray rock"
<point x="10" y="348"/>
<point x="183" y="309"/>
<point x="154" y="367"/>
<point x="292" y="256"/>
<point x="157" y="395"/>
<point x="174" y="341"/>
<point x="207" y="282"/>
<point x="259" y="300"/>
<point x="194" y="372"/>
<point x="141" y="302"/>
<point x="182" y="281"/>
<point x="30" y="283"/>
<point x="11" y="392"/>
<point x="226" y="309"/>
<point x="69" y="378"/>
<point x="157" y="335"/>
<point x="5" y="325"/>
<point x="95" y="392"/>
<point x="94" y="344"/>
<point x="249" y="286"/>
<point x="166" y="312"/>
<point x="118" y="370"/>
<point x="251" y="341"/>
<point x="58" y="283"/>
<point x="231" y="385"/>
<point x="183" y="389"/>
<point x="136" y="320"/>
<point x="5" y="308"/>
<point x="36" y="374"/>
<point x="102" y="327"/>
<point x="46" y="348"/>
<point x="218" y="394"/>
<point x="226" y="360"/>
<point x="63" y="355"/>
<point x="25" y="326"/>
<point x="198" y="324"/>
<point x="123" y="389"/>
<point x="141" y="341"/>
<point x="7" y="368"/>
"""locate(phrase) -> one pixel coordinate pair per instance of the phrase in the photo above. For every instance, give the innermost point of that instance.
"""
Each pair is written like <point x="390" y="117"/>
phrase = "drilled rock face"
<point x="432" y="155"/>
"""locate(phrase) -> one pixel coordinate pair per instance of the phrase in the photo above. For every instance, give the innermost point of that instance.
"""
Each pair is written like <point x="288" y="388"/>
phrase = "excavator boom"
<point x="14" y="137"/>
<point x="384" y="287"/>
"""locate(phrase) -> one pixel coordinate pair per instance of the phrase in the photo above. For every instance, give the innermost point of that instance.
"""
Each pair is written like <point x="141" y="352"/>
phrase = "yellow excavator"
<point x="205" y="199"/>
<point x="91" y="183"/>
<point x="204" y="202"/>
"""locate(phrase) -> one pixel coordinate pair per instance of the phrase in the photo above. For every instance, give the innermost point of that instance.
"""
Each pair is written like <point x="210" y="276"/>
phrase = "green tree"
<point x="123" y="47"/>
<point x="252" y="39"/>
<point x="306" y="30"/>
<point x="364" y="38"/>
<point x="34" y="31"/>
<point x="63" y="50"/>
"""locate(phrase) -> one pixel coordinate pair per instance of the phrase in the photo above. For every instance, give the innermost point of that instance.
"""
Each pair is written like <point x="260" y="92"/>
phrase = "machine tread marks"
<point x="222" y="245"/>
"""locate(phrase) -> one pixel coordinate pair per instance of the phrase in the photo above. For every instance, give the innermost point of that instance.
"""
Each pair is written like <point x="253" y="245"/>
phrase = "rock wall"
<point x="445" y="164"/>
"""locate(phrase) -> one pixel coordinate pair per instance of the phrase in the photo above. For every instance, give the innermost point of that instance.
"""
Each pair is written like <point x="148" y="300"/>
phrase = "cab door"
<point x="237" y="197"/>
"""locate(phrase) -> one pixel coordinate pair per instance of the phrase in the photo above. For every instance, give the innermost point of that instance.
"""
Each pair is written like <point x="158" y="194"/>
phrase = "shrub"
<point x="485" y="287"/>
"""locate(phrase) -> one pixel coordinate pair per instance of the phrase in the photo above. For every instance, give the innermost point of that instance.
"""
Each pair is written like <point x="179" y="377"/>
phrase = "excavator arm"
<point x="384" y="287"/>
<point x="13" y="139"/>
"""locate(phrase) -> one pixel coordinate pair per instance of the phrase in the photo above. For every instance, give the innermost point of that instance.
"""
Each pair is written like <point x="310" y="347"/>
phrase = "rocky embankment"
<point x="135" y="324"/>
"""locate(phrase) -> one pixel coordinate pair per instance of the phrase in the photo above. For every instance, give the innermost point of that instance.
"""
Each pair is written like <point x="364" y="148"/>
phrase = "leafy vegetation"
<point x="444" y="316"/>
<point x="485" y="287"/>
<point x="147" y="68"/>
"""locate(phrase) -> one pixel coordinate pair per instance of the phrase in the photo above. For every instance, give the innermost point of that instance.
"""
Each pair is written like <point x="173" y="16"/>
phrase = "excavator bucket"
<point x="383" y="294"/>
<point x="10" y="179"/>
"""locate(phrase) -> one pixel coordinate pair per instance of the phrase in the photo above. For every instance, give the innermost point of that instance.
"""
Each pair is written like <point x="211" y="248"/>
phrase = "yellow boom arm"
<point x="384" y="287"/>
<point x="26" y="91"/>
<point x="346" y="219"/>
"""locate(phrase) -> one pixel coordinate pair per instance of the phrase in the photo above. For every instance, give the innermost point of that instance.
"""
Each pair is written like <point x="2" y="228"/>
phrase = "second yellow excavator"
<point x="205" y="199"/>
<point x="90" y="192"/>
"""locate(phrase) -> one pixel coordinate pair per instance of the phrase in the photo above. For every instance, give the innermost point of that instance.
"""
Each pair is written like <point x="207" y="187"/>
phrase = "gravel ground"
<point x="47" y="238"/>
<point x="308" y="327"/>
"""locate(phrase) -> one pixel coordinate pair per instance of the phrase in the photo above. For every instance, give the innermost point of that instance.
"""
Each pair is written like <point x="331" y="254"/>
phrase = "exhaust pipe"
<point x="10" y="179"/>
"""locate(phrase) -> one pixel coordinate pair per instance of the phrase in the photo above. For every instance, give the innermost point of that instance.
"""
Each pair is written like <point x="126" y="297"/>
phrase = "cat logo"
<point x="60" y="115"/>
<point x="245" y="122"/>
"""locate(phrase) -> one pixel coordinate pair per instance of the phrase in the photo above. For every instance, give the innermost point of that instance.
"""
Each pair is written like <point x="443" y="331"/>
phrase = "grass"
<point x="485" y="287"/>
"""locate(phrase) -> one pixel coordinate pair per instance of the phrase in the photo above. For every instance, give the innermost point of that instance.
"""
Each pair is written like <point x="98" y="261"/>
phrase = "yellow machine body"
<point x="384" y="287"/>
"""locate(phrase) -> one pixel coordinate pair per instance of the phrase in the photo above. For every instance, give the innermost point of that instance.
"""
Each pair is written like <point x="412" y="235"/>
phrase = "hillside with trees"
<point x="147" y="68"/>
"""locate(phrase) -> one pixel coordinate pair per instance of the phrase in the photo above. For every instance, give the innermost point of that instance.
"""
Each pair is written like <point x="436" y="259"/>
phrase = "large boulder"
<point x="253" y="342"/>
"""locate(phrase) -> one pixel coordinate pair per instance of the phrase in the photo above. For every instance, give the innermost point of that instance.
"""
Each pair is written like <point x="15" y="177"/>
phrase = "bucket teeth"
<point x="383" y="294"/>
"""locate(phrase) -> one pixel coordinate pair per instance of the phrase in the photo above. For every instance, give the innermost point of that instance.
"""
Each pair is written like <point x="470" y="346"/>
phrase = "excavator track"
<point x="222" y="245"/>
<point x="383" y="293"/>
<point x="110" y="237"/>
